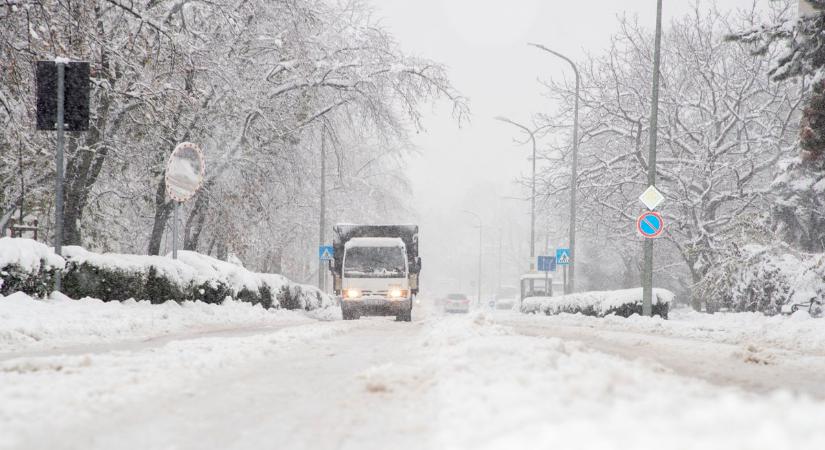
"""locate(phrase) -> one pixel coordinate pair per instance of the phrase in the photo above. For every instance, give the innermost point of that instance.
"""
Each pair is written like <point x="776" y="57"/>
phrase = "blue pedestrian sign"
<point x="326" y="253"/>
<point x="563" y="256"/>
<point x="547" y="263"/>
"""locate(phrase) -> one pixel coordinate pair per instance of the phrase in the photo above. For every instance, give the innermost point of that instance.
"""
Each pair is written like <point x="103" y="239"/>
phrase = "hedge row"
<point x="623" y="303"/>
<point x="112" y="277"/>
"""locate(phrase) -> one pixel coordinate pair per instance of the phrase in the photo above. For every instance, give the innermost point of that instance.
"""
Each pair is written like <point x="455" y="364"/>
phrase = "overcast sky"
<point x="483" y="42"/>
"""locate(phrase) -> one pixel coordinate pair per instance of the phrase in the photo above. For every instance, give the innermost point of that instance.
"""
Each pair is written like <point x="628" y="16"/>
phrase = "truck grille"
<point x="374" y="293"/>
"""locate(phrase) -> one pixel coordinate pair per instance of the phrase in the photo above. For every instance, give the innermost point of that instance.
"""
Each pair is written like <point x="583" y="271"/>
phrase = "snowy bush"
<point x="29" y="267"/>
<point x="759" y="278"/>
<point x="623" y="303"/>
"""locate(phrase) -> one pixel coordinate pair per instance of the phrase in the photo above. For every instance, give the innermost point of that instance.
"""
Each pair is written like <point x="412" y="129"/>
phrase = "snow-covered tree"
<point x="256" y="83"/>
<point x="723" y="128"/>
<point x="799" y="207"/>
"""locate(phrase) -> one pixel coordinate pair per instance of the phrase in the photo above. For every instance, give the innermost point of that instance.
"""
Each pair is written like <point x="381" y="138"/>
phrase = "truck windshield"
<point x="375" y="262"/>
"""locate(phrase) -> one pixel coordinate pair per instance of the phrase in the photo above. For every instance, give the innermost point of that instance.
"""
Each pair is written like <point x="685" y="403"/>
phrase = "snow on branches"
<point x="255" y="83"/>
<point x="723" y="127"/>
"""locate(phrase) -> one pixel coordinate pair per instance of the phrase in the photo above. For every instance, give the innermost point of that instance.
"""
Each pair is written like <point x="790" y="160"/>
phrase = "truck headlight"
<point x="397" y="293"/>
<point x="352" y="293"/>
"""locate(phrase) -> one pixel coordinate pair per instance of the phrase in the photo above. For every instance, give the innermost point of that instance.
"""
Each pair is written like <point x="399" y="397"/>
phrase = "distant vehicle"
<point x="506" y="297"/>
<point x="458" y="303"/>
<point x="375" y="270"/>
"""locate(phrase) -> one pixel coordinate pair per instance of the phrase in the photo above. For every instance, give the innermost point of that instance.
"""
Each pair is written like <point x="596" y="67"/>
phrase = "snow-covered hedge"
<point x="29" y="267"/>
<point x="622" y="303"/>
<point x="759" y="278"/>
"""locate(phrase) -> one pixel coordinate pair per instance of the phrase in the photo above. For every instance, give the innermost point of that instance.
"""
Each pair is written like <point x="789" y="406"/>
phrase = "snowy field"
<point x="487" y="380"/>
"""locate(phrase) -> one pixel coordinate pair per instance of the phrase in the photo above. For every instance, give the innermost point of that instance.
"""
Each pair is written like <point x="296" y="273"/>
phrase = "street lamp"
<point x="532" y="135"/>
<point x="574" y="174"/>
<point x="480" y="245"/>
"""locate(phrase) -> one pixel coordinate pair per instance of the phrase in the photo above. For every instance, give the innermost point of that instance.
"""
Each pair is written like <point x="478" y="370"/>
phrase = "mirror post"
<point x="175" y="232"/>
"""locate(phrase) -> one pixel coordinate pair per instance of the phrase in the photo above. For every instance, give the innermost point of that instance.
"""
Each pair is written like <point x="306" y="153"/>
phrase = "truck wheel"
<point x="405" y="316"/>
<point x="349" y="314"/>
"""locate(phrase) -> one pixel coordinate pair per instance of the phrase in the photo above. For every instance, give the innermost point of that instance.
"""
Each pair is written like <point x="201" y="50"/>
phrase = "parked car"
<point x="457" y="303"/>
<point x="506" y="297"/>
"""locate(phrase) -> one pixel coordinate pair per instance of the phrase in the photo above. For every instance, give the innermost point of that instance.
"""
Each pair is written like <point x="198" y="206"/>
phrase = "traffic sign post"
<point x="326" y="253"/>
<point x="547" y="263"/>
<point x="62" y="101"/>
<point x="651" y="198"/>
<point x="185" y="171"/>
<point x="650" y="225"/>
<point x="563" y="257"/>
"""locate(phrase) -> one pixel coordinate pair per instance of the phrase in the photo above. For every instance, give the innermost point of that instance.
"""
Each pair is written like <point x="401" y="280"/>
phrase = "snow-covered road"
<point x="478" y="381"/>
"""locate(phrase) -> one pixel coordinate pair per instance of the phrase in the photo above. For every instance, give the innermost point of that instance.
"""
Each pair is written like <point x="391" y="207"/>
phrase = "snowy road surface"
<point x="477" y="381"/>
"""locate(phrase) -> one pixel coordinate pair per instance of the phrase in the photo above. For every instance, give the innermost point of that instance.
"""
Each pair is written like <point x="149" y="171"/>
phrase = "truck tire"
<point x="405" y="316"/>
<point x="350" y="314"/>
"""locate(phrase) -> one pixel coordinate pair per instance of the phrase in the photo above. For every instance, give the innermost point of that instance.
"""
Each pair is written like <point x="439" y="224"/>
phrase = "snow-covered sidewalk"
<point x="798" y="332"/>
<point x="28" y="324"/>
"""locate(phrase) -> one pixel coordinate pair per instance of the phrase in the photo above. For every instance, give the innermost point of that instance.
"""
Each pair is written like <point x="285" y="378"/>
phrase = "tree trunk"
<point x="197" y="219"/>
<point x="162" y="211"/>
<point x="86" y="162"/>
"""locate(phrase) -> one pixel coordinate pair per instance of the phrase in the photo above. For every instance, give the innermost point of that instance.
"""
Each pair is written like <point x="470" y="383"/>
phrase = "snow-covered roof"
<point x="375" y="242"/>
<point x="535" y="276"/>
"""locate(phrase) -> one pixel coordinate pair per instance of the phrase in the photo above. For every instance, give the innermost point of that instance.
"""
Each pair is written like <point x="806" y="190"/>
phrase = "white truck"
<point x="375" y="270"/>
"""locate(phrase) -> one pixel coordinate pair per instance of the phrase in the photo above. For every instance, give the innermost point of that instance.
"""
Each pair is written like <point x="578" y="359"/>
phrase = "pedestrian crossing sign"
<point x="563" y="256"/>
<point x="326" y="253"/>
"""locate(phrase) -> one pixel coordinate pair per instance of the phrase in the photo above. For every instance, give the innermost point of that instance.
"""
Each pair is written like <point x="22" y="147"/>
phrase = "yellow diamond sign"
<point x="652" y="198"/>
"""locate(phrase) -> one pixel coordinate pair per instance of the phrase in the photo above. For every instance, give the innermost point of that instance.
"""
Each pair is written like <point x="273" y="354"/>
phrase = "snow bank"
<point x="622" y="303"/>
<point x="29" y="324"/>
<point x="798" y="332"/>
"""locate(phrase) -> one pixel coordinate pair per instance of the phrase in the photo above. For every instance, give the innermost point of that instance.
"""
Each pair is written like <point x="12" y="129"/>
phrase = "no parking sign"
<point x="650" y="224"/>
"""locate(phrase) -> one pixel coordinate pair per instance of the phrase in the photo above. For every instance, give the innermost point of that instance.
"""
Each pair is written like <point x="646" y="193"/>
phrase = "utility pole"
<point x="647" y="274"/>
<point x="480" y="246"/>
<point x="323" y="219"/>
<point x="58" y="227"/>
<point x="532" y="135"/>
<point x="574" y="168"/>
<point x="499" y="256"/>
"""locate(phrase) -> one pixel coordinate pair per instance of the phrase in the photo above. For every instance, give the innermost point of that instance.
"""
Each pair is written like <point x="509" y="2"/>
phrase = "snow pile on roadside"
<point x="28" y="324"/>
<point x="798" y="332"/>
<point x="46" y="397"/>
<point x="599" y="303"/>
<point x="497" y="390"/>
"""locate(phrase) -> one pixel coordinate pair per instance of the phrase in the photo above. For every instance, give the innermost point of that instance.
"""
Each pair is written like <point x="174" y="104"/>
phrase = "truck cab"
<point x="375" y="270"/>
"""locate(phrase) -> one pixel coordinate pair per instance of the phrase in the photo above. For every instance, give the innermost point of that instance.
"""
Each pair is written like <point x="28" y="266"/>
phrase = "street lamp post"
<point x="574" y="169"/>
<point x="532" y="135"/>
<point x="480" y="246"/>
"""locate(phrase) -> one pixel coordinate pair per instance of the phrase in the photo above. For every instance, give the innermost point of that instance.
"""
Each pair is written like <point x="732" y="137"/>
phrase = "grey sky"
<point x="484" y="44"/>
